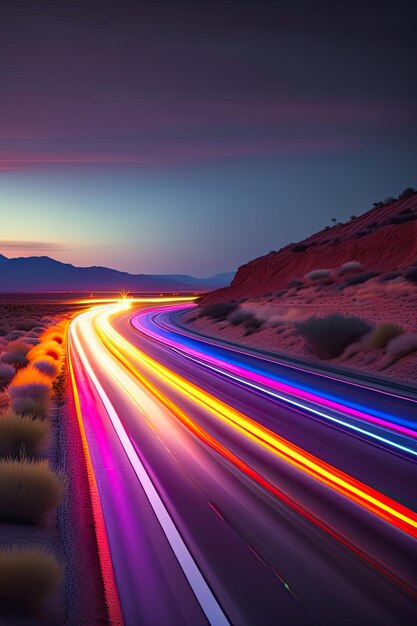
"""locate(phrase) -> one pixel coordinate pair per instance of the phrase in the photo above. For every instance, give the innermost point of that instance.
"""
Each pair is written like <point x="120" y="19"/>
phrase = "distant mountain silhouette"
<point x="40" y="274"/>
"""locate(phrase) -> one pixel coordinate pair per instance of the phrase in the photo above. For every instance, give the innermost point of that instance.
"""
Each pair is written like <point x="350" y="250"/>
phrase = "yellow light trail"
<point x="372" y="500"/>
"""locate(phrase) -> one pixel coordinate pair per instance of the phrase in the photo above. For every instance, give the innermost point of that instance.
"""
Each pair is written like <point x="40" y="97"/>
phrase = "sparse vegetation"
<point x="381" y="334"/>
<point x="411" y="274"/>
<point x="329" y="336"/>
<point x="6" y="374"/>
<point x="218" y="311"/>
<point x="402" y="345"/>
<point x="46" y="366"/>
<point x="239" y="316"/>
<point x="318" y="274"/>
<point x="28" y="575"/>
<point x="23" y="435"/>
<point x="29" y="490"/>
<point x="358" y="279"/>
<point x="300" y="247"/>
<point x="350" y="266"/>
<point x="407" y="193"/>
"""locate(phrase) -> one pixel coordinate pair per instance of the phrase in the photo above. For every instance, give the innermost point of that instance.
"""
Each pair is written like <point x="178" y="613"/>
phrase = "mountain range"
<point x="43" y="274"/>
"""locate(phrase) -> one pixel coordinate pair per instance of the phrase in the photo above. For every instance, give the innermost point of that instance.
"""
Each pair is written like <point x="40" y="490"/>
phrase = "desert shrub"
<point x="329" y="336"/>
<point x="318" y="274"/>
<point x="30" y="391"/>
<point x="6" y="374"/>
<point x="28" y="575"/>
<point x="47" y="366"/>
<point x="358" y="279"/>
<point x="5" y="401"/>
<point x="252" y="324"/>
<point x="30" y="406"/>
<point x="390" y="276"/>
<point x="238" y="317"/>
<point x="29" y="490"/>
<point x="32" y="341"/>
<point x="23" y="435"/>
<point x="300" y="247"/>
<point x="4" y="330"/>
<point x="280" y="293"/>
<point x="381" y="334"/>
<point x="402" y="345"/>
<point x="14" y="358"/>
<point x="350" y="266"/>
<point x="26" y="324"/>
<point x="407" y="193"/>
<point x="218" y="311"/>
<point x="402" y="218"/>
<point x="411" y="274"/>
<point x="294" y="283"/>
<point x="48" y="348"/>
<point x="18" y="345"/>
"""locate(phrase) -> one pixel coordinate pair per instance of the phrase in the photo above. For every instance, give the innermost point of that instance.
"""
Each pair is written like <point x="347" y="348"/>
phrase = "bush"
<point x="252" y="324"/>
<point x="28" y="575"/>
<point x="14" y="358"/>
<point x="28" y="490"/>
<point x="407" y="193"/>
<point x="350" y="266"/>
<point x="18" y="345"/>
<point x="358" y="279"/>
<point x="239" y="316"/>
<point x="402" y="218"/>
<point x="46" y="366"/>
<point x="381" y="334"/>
<point x="402" y="345"/>
<point x="46" y="348"/>
<point x="29" y="406"/>
<point x="6" y="374"/>
<point x="30" y="391"/>
<point x="329" y="336"/>
<point x="411" y="274"/>
<point x="22" y="435"/>
<point x="218" y="311"/>
<point x="5" y="401"/>
<point x="318" y="274"/>
<point x="300" y="247"/>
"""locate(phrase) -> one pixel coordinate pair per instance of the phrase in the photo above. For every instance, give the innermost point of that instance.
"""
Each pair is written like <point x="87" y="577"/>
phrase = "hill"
<point x="40" y="274"/>
<point x="383" y="239"/>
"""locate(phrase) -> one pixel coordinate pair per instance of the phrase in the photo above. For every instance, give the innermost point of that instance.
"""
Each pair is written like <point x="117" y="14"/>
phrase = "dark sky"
<point x="190" y="137"/>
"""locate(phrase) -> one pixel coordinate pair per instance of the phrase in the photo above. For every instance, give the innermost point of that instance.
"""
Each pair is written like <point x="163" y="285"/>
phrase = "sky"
<point x="172" y="137"/>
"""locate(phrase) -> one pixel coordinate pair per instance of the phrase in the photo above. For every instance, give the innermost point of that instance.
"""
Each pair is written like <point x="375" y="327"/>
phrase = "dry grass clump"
<point x="7" y="372"/>
<point x="402" y="345"/>
<point x="28" y="575"/>
<point x="5" y="401"/>
<point x="350" y="266"/>
<point x="29" y="490"/>
<point x="18" y="359"/>
<point x="30" y="391"/>
<point x="46" y="366"/>
<point x="23" y="435"/>
<point x="18" y="345"/>
<point x="328" y="337"/>
<point x="318" y="274"/>
<point x="239" y="316"/>
<point x="219" y="311"/>
<point x="381" y="334"/>
<point x="46" y="348"/>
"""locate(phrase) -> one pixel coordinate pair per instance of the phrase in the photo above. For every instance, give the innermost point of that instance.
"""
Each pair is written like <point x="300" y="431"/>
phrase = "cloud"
<point x="34" y="248"/>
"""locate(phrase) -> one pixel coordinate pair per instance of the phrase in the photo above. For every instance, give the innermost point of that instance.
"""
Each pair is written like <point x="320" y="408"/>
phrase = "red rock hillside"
<point x="383" y="239"/>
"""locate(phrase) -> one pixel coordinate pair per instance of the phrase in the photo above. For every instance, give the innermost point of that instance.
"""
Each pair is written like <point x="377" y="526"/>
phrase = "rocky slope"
<point x="383" y="239"/>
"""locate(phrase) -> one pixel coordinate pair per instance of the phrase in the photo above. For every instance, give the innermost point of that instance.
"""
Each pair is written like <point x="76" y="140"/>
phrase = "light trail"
<point x="375" y="502"/>
<point x="81" y="327"/>
<point x="266" y="384"/>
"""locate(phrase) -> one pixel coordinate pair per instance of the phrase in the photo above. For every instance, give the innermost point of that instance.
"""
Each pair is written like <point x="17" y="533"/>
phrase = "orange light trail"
<point x="375" y="502"/>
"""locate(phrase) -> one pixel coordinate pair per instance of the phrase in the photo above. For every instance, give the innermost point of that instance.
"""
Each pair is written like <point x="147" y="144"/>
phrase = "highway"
<point x="231" y="488"/>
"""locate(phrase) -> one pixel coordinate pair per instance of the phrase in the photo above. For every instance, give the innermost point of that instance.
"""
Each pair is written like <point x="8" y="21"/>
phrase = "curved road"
<point x="231" y="488"/>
